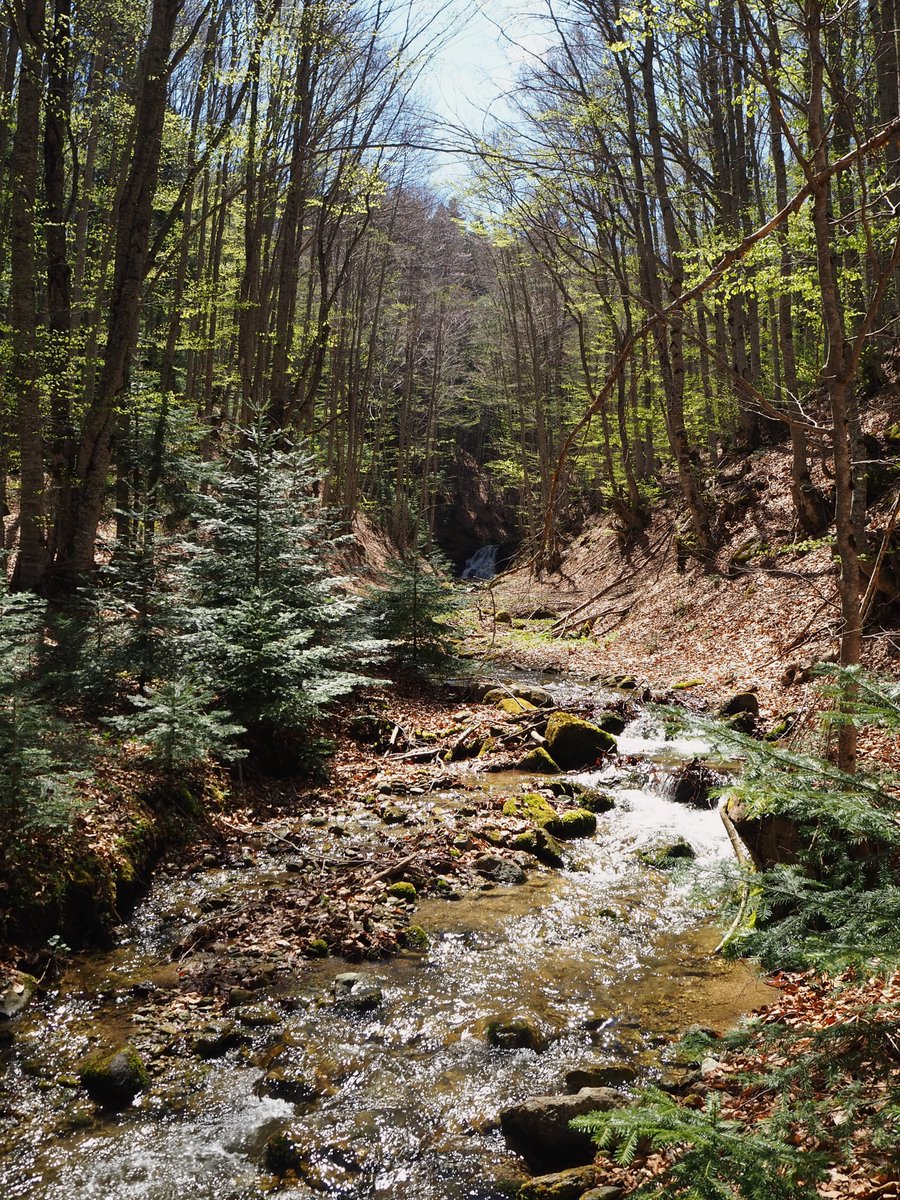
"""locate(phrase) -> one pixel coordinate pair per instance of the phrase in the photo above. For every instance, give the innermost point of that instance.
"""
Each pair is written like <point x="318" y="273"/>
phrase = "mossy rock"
<point x="783" y="726"/>
<point x="538" y="762"/>
<point x="414" y="937"/>
<point x="114" y="1077"/>
<point x="537" y="696"/>
<point x="561" y="1185"/>
<point x="597" y="802"/>
<point x="541" y="844"/>
<point x="577" y="823"/>
<point x="610" y="722"/>
<point x="669" y="855"/>
<point x="572" y="742"/>
<point x="566" y="787"/>
<point x="403" y="890"/>
<point x="283" y="1153"/>
<point x="684" y="685"/>
<point x="515" y="706"/>
<point x="317" y="948"/>
<point x="530" y="807"/>
<point x="488" y="746"/>
<point x="503" y="618"/>
<point x="370" y="728"/>
<point x="742" y="722"/>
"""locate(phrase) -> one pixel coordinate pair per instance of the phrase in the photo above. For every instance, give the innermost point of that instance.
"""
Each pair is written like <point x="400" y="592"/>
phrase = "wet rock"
<point x="392" y="815"/>
<point x="517" y="1033"/>
<point x="16" y="992"/>
<point x="257" y="1016"/>
<point x="283" y="1153"/>
<point x="215" y="1038"/>
<point x="538" y="762"/>
<point x="414" y="937"/>
<point x="597" y="802"/>
<point x="623" y="683"/>
<point x="593" y="1077"/>
<point x="573" y="743"/>
<point x="694" y="784"/>
<point x="541" y="844"/>
<point x="115" y="1077"/>
<point x="609" y="722"/>
<point x="499" y="870"/>
<point x="238" y="996"/>
<point x="539" y="1128"/>
<point x="567" y="787"/>
<point x="577" y="823"/>
<point x="668" y="854"/>
<point x="288" y="1082"/>
<point x="356" y="991"/>
<point x="537" y="696"/>
<point x="561" y="1185"/>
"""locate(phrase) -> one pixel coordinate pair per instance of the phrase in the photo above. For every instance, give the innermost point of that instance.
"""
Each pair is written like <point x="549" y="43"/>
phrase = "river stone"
<point x="513" y="706"/>
<point x="608" y="1192"/>
<point x="623" y="683"/>
<point x="215" y="1038"/>
<point x="517" y="1033"/>
<point x="694" y="783"/>
<point x="283" y="1152"/>
<point x="567" y="787"/>
<point x="539" y="1128"/>
<point x="113" y="1078"/>
<point x="16" y="992"/>
<point x="740" y="702"/>
<point x="667" y="855"/>
<point x="538" y="762"/>
<point x="609" y="722"/>
<point x="541" y="844"/>
<point x="561" y="1185"/>
<point x="591" y="1077"/>
<point x="287" y="1083"/>
<point x="597" y="802"/>
<point x="574" y="743"/>
<point x="537" y="696"/>
<point x="257" y="1015"/>
<point x="355" y="991"/>
<point x="577" y="823"/>
<point x="499" y="870"/>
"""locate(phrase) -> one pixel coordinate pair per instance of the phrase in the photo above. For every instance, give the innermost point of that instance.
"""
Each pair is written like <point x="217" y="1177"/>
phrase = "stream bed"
<point x="607" y="959"/>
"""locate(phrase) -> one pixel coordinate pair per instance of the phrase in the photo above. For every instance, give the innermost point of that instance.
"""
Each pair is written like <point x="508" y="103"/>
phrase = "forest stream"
<point x="607" y="960"/>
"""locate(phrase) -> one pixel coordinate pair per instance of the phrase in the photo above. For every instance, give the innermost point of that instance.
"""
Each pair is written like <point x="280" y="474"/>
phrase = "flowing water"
<point x="482" y="564"/>
<point x="607" y="958"/>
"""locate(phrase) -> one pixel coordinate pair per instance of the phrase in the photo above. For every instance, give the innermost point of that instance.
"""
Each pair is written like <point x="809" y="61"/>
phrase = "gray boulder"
<point x="539" y="1128"/>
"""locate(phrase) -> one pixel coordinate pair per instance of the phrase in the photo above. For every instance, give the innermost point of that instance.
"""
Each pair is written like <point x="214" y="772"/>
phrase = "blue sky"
<point x="477" y="67"/>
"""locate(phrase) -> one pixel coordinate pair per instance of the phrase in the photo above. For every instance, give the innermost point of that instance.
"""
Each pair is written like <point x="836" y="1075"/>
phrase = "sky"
<point x="476" y="69"/>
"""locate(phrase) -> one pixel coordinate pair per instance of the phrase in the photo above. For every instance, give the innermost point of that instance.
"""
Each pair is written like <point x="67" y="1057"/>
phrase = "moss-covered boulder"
<point x="610" y="722"/>
<point x="668" y="854"/>
<point x="414" y="937"/>
<point x="538" y="762"/>
<point x="114" y="1077"/>
<point x="782" y="726"/>
<point x="572" y="742"/>
<point x="561" y="1185"/>
<point x="515" y="706"/>
<point x="596" y="801"/>
<point x="576" y="823"/>
<point x="537" y="696"/>
<point x="403" y="890"/>
<point x="531" y="806"/>
<point x="541" y="844"/>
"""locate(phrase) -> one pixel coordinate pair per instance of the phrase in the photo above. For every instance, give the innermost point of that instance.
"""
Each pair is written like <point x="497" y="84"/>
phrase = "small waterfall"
<point x="482" y="564"/>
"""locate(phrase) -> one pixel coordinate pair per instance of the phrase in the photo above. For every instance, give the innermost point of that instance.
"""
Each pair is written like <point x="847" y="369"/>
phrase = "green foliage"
<point x="717" y="1158"/>
<point x="413" y="611"/>
<point x="179" y="727"/>
<point x="37" y="749"/>
<point x="272" y="631"/>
